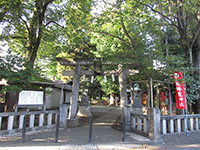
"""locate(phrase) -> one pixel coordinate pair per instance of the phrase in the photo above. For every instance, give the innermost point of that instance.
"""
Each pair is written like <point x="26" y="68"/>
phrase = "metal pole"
<point x="151" y="93"/>
<point x="186" y="120"/>
<point x="57" y="127"/>
<point x="186" y="111"/>
<point x="124" y="129"/>
<point x="24" y="129"/>
<point x="90" y="129"/>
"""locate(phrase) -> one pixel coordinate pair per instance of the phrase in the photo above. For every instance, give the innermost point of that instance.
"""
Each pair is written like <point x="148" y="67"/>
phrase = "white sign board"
<point x="30" y="98"/>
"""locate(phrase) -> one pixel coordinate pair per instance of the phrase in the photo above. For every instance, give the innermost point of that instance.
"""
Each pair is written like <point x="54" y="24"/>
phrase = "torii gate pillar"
<point x="75" y="91"/>
<point x="125" y="109"/>
<point x="123" y="92"/>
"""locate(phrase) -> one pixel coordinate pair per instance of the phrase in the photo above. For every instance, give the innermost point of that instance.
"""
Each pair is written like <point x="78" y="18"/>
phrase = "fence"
<point x="179" y="123"/>
<point x="150" y="124"/>
<point x="12" y="122"/>
<point x="140" y="124"/>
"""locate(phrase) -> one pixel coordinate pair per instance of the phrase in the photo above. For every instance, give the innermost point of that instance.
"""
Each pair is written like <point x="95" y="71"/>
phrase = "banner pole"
<point x="151" y="81"/>
<point x="186" y="110"/>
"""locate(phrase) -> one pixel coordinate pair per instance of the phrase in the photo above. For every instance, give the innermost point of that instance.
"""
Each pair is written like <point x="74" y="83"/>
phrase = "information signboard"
<point x="27" y="97"/>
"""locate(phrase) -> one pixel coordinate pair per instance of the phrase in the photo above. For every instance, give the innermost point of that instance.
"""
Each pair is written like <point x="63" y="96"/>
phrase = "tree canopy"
<point x="134" y="33"/>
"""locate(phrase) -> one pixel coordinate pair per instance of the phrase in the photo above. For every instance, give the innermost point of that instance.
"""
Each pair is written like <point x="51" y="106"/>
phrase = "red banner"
<point x="180" y="91"/>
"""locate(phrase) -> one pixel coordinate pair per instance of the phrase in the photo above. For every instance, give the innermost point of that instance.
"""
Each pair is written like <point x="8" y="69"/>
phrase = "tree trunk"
<point x="182" y="28"/>
<point x="36" y="30"/>
<point x="197" y="65"/>
<point x="197" y="54"/>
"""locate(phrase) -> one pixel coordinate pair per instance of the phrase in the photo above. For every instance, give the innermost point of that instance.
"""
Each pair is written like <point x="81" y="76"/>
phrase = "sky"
<point x="3" y="49"/>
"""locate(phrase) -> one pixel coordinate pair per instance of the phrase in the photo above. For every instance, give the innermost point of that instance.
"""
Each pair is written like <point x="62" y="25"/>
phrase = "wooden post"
<point x="158" y="98"/>
<point x="170" y="100"/>
<point x="149" y="96"/>
<point x="75" y="89"/>
<point x="44" y="97"/>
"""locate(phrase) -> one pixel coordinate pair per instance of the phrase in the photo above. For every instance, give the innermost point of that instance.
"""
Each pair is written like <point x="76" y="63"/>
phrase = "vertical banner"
<point x="180" y="91"/>
<point x="84" y="77"/>
<point x="92" y="79"/>
<point x="105" y="79"/>
<point x="113" y="78"/>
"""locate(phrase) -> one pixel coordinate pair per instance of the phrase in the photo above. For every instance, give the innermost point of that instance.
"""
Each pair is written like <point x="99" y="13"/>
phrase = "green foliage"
<point x="110" y="86"/>
<point x="18" y="73"/>
<point x="12" y="69"/>
<point x="124" y="32"/>
<point x="145" y="40"/>
<point x="94" y="89"/>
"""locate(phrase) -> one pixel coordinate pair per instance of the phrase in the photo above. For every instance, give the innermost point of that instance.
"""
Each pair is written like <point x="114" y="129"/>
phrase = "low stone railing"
<point x="154" y="124"/>
<point x="12" y="122"/>
<point x="179" y="123"/>
<point x="140" y="124"/>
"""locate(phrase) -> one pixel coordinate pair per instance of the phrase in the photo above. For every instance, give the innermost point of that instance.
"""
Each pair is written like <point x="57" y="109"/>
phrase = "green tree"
<point x="25" y="22"/>
<point x="72" y="41"/>
<point x="121" y="36"/>
<point x="109" y="87"/>
<point x="182" y="18"/>
<point x="11" y="69"/>
<point x="94" y="89"/>
<point x="143" y="31"/>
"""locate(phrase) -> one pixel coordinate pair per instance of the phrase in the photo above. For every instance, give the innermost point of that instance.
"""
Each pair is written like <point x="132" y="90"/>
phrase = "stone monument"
<point x="84" y="100"/>
<point x="84" y="108"/>
<point x="137" y="107"/>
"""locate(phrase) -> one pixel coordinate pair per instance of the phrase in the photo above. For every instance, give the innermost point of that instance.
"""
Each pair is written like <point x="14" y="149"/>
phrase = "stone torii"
<point x="77" y="72"/>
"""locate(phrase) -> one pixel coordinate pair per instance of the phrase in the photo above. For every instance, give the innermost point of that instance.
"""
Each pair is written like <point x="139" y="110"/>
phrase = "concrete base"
<point x="73" y="122"/>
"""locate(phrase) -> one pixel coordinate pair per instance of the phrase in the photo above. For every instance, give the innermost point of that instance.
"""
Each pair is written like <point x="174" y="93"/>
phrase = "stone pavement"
<point x="104" y="137"/>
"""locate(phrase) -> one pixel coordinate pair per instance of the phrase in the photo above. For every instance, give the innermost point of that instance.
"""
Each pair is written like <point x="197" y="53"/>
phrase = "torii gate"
<point x="122" y="73"/>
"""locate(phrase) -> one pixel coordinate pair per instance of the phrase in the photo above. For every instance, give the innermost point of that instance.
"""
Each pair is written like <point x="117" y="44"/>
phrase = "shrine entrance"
<point x="97" y="64"/>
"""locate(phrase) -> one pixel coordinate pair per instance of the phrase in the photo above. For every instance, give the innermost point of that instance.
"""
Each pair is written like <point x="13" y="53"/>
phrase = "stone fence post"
<point x="154" y="124"/>
<point x="63" y="115"/>
<point x="127" y="115"/>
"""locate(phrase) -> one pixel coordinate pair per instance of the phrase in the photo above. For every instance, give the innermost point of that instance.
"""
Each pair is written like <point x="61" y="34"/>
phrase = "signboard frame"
<point x="40" y="104"/>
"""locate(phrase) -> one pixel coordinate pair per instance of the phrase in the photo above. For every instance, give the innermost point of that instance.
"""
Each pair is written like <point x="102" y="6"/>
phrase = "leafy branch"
<point x="17" y="77"/>
<point x="102" y="32"/>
